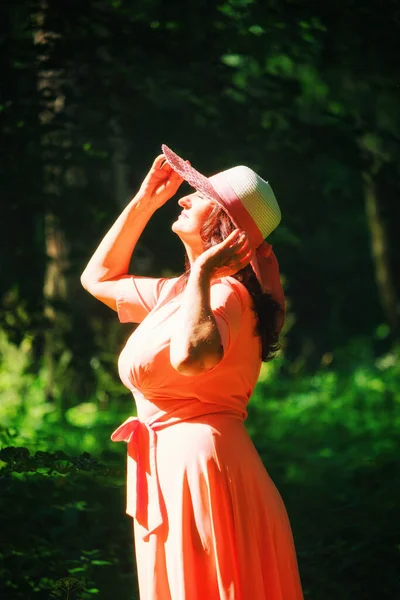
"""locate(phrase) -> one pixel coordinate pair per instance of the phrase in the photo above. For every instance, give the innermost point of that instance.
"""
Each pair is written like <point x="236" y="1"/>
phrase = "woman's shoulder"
<point x="232" y="285"/>
<point x="171" y="287"/>
<point x="221" y="288"/>
<point x="170" y="283"/>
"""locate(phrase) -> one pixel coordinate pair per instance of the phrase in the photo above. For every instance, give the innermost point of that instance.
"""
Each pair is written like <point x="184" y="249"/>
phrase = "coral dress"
<point x="209" y="523"/>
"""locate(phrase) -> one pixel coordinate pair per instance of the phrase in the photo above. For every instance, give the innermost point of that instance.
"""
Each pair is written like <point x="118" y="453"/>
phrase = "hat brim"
<point x="188" y="173"/>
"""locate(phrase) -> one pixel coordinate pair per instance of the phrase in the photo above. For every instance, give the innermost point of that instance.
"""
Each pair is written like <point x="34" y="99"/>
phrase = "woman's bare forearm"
<point x="113" y="255"/>
<point x="195" y="343"/>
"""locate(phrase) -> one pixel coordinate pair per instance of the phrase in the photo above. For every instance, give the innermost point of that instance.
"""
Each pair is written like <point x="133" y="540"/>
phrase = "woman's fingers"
<point x="241" y="244"/>
<point x="233" y="254"/>
<point x="242" y="250"/>
<point x="247" y="257"/>
<point x="241" y="241"/>
<point x="234" y="239"/>
<point x="169" y="173"/>
<point x="231" y="238"/>
<point x="161" y="166"/>
<point x="158" y="161"/>
<point x="238" y="254"/>
<point x="234" y="235"/>
<point x="236" y="245"/>
<point x="161" y="182"/>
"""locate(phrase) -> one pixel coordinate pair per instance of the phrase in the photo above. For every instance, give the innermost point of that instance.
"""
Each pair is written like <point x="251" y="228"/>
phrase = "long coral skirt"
<point x="225" y="533"/>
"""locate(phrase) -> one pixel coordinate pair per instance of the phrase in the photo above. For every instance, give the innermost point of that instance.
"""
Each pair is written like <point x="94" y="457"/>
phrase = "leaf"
<point x="77" y="570"/>
<point x="256" y="30"/>
<point x="233" y="60"/>
<point x="43" y="470"/>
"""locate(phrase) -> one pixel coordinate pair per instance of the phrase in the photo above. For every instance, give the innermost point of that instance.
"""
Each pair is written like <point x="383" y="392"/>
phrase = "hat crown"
<point x="256" y="195"/>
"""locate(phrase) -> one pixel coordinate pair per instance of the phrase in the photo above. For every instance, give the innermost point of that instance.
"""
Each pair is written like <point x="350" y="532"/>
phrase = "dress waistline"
<point x="146" y="507"/>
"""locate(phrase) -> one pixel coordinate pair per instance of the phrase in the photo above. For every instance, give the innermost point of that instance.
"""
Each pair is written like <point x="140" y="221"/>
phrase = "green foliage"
<point x="27" y="418"/>
<point x="330" y="441"/>
<point x="21" y="392"/>
<point x="306" y="95"/>
<point x="62" y="530"/>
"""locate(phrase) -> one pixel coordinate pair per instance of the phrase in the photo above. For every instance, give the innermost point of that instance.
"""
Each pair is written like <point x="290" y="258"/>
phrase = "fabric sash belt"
<point x="145" y="502"/>
<point x="148" y="505"/>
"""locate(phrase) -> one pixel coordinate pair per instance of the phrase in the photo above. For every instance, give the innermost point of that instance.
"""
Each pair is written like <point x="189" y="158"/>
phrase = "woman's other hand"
<point x="226" y="258"/>
<point x="161" y="182"/>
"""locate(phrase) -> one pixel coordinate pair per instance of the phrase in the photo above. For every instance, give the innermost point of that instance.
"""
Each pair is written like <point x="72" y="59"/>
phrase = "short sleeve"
<point x="137" y="296"/>
<point x="228" y="307"/>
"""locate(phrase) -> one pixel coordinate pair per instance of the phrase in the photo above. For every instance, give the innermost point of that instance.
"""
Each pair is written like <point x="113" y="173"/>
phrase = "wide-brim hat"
<point x="257" y="199"/>
<point x="251" y="204"/>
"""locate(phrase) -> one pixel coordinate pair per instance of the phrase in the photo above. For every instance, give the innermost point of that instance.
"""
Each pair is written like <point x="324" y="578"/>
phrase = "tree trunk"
<point x="380" y="253"/>
<point x="119" y="158"/>
<point x="55" y="281"/>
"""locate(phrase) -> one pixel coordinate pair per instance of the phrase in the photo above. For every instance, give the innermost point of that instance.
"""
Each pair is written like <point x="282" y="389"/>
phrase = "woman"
<point x="209" y="524"/>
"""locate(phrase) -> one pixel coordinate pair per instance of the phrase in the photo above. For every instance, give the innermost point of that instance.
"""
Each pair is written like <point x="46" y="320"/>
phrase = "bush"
<point x="63" y="533"/>
<point x="329" y="440"/>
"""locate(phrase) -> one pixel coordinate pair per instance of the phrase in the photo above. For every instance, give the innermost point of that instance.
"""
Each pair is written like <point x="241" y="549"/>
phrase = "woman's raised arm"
<point x="196" y="344"/>
<point x="111" y="259"/>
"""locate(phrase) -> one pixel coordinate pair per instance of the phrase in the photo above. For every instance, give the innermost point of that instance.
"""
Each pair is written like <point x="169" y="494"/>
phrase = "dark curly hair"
<point x="214" y="230"/>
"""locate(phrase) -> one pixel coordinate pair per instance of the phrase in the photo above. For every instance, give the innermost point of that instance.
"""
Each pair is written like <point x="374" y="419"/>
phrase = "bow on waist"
<point x="146" y="497"/>
<point x="144" y="503"/>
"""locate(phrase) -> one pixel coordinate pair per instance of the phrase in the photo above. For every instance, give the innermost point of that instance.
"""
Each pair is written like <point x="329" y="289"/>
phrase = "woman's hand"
<point x="161" y="182"/>
<point x="226" y="258"/>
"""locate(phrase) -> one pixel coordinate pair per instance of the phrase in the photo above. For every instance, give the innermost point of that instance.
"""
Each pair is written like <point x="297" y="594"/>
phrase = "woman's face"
<point x="196" y="208"/>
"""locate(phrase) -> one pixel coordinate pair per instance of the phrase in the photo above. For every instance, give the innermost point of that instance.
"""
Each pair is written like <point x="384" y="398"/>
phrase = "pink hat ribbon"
<point x="264" y="262"/>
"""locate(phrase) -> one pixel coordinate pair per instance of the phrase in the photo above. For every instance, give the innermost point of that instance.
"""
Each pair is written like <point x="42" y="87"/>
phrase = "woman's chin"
<point x="184" y="236"/>
<point x="175" y="227"/>
<point x="178" y="225"/>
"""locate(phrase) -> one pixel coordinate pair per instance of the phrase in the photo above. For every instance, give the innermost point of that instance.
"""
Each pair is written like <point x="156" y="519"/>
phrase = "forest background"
<point x="308" y="95"/>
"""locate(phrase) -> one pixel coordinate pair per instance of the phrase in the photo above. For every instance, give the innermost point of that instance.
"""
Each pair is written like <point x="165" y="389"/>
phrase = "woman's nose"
<point x="184" y="202"/>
